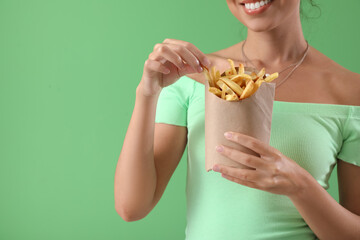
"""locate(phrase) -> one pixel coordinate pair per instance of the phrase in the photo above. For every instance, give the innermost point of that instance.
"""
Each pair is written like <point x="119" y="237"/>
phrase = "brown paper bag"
<point x="251" y="116"/>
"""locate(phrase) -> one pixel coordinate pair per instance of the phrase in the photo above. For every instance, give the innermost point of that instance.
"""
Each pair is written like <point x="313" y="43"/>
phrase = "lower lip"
<point x="258" y="10"/>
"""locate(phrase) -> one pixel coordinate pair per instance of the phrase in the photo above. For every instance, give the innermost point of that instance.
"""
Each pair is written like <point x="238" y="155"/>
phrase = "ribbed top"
<point x="315" y="108"/>
<point x="314" y="135"/>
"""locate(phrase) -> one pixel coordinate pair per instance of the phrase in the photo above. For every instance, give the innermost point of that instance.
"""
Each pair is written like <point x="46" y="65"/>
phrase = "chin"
<point x="264" y="15"/>
<point x="259" y="25"/>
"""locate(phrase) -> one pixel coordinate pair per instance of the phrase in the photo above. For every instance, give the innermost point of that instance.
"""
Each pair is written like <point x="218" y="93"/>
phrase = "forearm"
<point x="324" y="215"/>
<point x="135" y="177"/>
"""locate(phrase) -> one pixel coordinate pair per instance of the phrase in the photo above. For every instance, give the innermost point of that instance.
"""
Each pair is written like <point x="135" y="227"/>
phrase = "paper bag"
<point x="251" y="116"/>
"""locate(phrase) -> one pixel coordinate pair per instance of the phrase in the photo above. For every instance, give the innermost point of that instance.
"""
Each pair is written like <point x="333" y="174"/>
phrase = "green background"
<point x="68" y="74"/>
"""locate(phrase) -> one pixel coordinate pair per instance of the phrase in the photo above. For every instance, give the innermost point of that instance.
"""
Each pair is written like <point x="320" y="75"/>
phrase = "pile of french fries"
<point x="234" y="84"/>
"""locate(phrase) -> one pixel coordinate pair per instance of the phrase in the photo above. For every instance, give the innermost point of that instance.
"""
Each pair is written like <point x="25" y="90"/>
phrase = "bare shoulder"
<point x="345" y="82"/>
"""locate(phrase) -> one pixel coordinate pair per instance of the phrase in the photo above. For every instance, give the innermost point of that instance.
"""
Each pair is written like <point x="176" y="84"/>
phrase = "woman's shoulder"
<point x="337" y="77"/>
<point x="341" y="84"/>
<point x="321" y="61"/>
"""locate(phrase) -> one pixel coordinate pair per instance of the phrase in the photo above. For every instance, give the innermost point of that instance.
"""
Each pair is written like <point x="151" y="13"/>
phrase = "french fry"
<point x="271" y="77"/>
<point x="208" y="77"/>
<point x="234" y="84"/>
<point x="261" y="73"/>
<point x="213" y="75"/>
<point x="229" y="72"/>
<point x="259" y="82"/>
<point x="238" y="80"/>
<point x="233" y="70"/>
<point x="220" y="84"/>
<point x="248" y="80"/>
<point x="241" y="69"/>
<point x="239" y="77"/>
<point x="204" y="67"/>
<point x="217" y="75"/>
<point x="215" y="91"/>
<point x="254" y="76"/>
<point x="223" y="94"/>
<point x="249" y="90"/>
<point x="223" y="88"/>
<point x="256" y="86"/>
<point x="231" y="97"/>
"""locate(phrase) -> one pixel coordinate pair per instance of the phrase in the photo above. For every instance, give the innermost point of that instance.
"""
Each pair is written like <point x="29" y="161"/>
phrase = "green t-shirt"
<point x="311" y="134"/>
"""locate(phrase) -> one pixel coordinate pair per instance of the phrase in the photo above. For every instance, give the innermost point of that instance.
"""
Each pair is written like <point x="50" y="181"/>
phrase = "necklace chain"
<point x="297" y="64"/>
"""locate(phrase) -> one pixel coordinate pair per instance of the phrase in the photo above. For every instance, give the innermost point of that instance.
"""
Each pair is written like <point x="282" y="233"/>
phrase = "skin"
<point x="278" y="31"/>
<point x="143" y="173"/>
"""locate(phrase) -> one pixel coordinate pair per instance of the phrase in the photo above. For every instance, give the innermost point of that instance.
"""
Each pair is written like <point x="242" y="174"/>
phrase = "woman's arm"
<point x="349" y="189"/>
<point x="326" y="217"/>
<point x="276" y="173"/>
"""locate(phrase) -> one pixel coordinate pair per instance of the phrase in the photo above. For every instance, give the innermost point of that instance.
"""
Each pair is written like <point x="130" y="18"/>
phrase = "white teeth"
<point x="256" y="5"/>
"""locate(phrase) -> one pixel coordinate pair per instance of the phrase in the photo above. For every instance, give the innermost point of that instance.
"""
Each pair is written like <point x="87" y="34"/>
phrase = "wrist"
<point x="305" y="186"/>
<point x="144" y="92"/>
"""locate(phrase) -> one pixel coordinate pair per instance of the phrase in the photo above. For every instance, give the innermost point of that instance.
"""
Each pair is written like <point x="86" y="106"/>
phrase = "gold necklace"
<point x="287" y="76"/>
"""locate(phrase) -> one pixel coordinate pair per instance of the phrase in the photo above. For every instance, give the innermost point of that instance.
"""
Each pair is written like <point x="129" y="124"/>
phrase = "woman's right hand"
<point x="169" y="61"/>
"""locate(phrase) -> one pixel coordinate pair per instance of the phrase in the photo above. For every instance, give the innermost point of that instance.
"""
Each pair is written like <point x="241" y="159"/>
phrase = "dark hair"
<point x="311" y="6"/>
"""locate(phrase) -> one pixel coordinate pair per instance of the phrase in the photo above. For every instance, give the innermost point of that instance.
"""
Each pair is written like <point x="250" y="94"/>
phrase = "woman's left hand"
<point x="272" y="171"/>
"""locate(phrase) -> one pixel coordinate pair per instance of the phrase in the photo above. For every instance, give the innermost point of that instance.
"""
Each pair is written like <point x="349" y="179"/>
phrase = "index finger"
<point x="203" y="59"/>
<point x="252" y="143"/>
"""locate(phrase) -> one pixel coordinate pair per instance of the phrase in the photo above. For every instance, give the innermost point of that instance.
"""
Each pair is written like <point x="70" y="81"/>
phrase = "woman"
<point x="316" y="124"/>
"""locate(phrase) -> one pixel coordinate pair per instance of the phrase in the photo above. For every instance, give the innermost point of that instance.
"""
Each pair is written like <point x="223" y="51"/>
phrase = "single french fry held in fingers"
<point x="236" y="84"/>
<point x="208" y="77"/>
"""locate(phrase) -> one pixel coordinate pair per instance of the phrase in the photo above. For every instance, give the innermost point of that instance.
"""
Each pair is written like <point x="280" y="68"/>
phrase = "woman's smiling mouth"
<point x="252" y="7"/>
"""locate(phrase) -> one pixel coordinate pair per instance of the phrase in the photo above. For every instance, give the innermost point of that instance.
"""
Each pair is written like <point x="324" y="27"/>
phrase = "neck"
<point x="282" y="45"/>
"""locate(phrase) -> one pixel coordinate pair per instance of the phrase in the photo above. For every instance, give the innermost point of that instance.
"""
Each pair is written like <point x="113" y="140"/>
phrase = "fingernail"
<point x="219" y="148"/>
<point x="200" y="69"/>
<point x="207" y="62"/>
<point x="216" y="168"/>
<point x="228" y="135"/>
